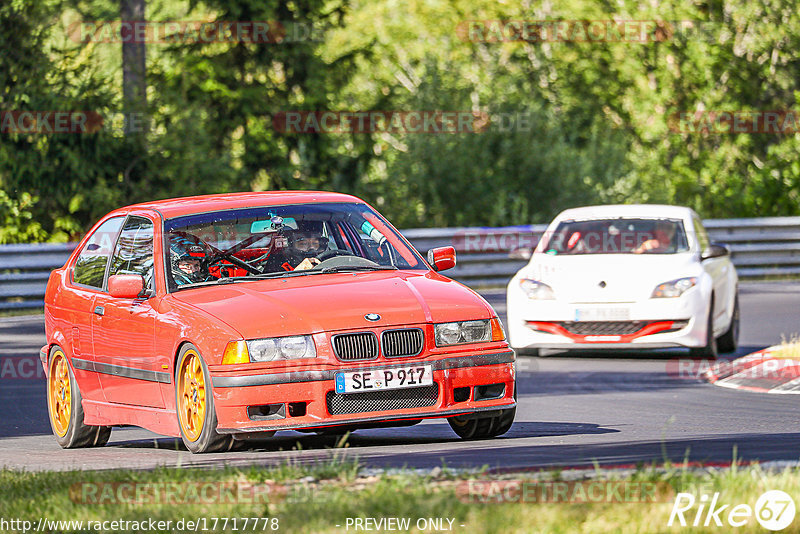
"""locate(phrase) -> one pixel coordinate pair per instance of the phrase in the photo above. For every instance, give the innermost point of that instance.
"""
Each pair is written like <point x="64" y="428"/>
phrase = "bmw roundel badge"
<point x="372" y="317"/>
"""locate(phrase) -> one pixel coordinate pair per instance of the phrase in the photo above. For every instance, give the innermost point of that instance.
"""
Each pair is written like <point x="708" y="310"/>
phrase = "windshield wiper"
<point x="278" y="274"/>
<point x="289" y="274"/>
<point x="234" y="279"/>
<point x="346" y="268"/>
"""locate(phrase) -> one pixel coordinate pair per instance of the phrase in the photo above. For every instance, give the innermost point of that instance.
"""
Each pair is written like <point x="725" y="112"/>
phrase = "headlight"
<point x="536" y="290"/>
<point x="281" y="348"/>
<point x="674" y="288"/>
<point x="448" y="334"/>
<point x="468" y="332"/>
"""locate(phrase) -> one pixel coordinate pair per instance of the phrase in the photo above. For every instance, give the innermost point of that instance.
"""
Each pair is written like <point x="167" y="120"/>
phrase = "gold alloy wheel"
<point x="59" y="393"/>
<point x="192" y="395"/>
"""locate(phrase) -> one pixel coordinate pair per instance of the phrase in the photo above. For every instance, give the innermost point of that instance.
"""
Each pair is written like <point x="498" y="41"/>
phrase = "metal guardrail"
<point x="760" y="247"/>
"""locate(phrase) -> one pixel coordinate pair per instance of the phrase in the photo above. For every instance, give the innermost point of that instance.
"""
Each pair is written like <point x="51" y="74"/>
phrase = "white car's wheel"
<point x="710" y="350"/>
<point x="729" y="341"/>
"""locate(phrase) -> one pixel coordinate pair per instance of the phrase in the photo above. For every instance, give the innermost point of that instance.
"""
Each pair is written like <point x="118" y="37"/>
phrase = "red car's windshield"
<point x="272" y="240"/>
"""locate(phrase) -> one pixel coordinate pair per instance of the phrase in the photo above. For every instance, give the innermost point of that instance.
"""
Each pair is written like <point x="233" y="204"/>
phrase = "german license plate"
<point x="602" y="314"/>
<point x="380" y="379"/>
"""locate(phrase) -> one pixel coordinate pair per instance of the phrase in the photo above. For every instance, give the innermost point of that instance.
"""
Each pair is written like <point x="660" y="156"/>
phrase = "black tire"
<point x="709" y="351"/>
<point x="472" y="428"/>
<point x="484" y="428"/>
<point x="729" y="341"/>
<point x="205" y="438"/>
<point x="71" y="433"/>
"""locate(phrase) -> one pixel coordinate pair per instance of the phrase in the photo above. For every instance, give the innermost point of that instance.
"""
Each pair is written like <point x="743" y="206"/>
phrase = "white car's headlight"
<point x="468" y="332"/>
<point x="281" y="348"/>
<point x="537" y="290"/>
<point x="674" y="288"/>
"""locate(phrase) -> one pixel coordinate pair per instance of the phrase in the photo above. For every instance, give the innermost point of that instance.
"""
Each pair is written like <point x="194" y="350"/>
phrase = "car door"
<point x="123" y="329"/>
<point x="717" y="268"/>
<point x="85" y="283"/>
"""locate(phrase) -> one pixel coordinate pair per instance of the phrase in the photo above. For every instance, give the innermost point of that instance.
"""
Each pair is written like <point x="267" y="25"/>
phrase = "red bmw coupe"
<point x="218" y="317"/>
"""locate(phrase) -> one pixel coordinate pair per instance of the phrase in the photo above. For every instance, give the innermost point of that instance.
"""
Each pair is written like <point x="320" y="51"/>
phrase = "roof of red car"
<point x="175" y="207"/>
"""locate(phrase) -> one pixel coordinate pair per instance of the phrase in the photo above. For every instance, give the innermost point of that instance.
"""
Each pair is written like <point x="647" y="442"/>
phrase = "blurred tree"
<point x="227" y="93"/>
<point x="134" y="81"/>
<point x="69" y="174"/>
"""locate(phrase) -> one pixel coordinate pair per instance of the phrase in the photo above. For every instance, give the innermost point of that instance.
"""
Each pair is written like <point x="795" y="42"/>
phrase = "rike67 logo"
<point x="774" y="510"/>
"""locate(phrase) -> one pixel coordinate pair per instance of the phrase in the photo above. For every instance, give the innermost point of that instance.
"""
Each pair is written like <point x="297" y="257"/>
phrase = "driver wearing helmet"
<point x="303" y="247"/>
<point x="187" y="261"/>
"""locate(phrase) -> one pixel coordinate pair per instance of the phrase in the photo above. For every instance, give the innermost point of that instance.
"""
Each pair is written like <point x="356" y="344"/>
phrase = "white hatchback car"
<point x="625" y="277"/>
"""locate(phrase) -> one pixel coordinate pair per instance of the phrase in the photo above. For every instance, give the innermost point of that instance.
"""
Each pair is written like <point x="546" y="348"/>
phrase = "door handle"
<point x="99" y="310"/>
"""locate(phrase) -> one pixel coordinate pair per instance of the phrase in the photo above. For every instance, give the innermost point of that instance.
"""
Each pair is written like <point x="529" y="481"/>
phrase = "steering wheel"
<point x="216" y="254"/>
<point x="328" y="254"/>
<point x="215" y="258"/>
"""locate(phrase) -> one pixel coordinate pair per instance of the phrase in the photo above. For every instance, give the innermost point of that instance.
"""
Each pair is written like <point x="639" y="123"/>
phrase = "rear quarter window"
<point x="90" y="268"/>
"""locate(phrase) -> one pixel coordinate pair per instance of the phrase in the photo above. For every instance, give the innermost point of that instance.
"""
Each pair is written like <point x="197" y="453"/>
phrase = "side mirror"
<point x="714" y="251"/>
<point x="442" y="258"/>
<point x="126" y="286"/>
<point x="521" y="253"/>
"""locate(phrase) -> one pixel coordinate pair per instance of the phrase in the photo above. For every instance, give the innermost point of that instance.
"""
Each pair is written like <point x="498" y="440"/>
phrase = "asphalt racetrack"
<point x="573" y="410"/>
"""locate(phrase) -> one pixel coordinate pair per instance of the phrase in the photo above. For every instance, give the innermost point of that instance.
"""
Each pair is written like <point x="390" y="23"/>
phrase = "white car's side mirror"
<point x="714" y="251"/>
<point x="521" y="253"/>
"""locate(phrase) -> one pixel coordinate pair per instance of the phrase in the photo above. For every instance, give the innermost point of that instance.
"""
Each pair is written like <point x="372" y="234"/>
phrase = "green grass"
<point x="18" y="313"/>
<point x="318" y="496"/>
<point x="788" y="349"/>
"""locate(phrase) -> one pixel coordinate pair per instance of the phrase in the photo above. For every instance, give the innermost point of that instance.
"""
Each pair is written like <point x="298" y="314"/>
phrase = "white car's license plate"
<point x="377" y="379"/>
<point x="602" y="314"/>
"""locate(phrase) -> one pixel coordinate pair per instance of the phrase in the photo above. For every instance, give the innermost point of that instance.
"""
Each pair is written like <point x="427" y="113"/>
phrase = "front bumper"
<point x="302" y="399"/>
<point x="679" y="322"/>
<point x="43" y="358"/>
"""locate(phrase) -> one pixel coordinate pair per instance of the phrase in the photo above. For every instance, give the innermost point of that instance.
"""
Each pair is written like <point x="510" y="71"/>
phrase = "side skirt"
<point x="156" y="420"/>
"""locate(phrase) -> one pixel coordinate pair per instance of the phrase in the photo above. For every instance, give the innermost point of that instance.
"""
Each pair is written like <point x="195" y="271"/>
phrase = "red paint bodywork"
<point x="442" y="258"/>
<point x="147" y="333"/>
<point x="125" y="285"/>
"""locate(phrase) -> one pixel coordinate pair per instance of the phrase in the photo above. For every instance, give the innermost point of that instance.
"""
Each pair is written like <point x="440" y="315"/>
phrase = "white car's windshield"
<point x="617" y="236"/>
<point x="282" y="240"/>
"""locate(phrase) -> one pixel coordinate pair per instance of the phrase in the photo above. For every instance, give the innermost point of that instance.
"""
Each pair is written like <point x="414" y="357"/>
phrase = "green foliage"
<point x="16" y="222"/>
<point x="599" y="112"/>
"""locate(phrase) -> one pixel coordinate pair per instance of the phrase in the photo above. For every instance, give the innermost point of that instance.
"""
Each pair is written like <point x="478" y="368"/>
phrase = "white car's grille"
<point x="613" y="328"/>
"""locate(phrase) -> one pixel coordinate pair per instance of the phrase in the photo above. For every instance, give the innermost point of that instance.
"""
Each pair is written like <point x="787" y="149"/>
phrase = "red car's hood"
<point x="328" y="302"/>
